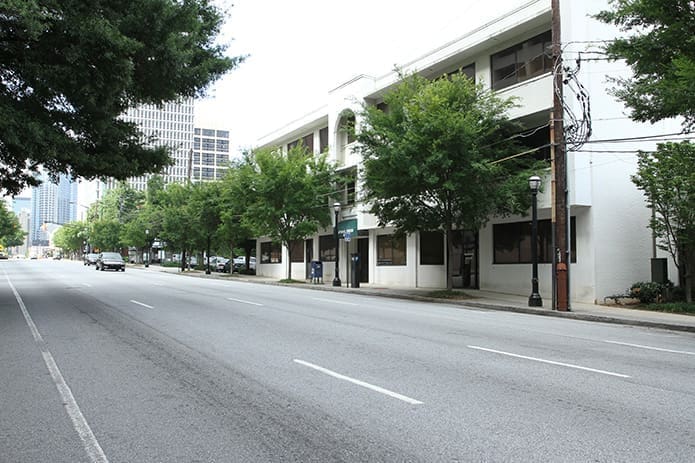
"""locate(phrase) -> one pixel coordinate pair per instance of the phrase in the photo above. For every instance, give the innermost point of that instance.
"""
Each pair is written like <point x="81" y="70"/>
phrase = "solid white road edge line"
<point x="551" y="362"/>
<point x="243" y="301"/>
<point x="651" y="348"/>
<point x="89" y="441"/>
<point x="333" y="301"/>
<point x="395" y="395"/>
<point x="140" y="303"/>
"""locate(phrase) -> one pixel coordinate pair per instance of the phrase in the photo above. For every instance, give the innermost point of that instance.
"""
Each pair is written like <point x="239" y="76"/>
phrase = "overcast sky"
<point x="300" y="49"/>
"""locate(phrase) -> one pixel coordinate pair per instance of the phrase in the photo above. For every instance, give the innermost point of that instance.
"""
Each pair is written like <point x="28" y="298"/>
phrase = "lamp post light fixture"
<point x="534" y="300"/>
<point x="147" y="240"/>
<point x="336" y="279"/>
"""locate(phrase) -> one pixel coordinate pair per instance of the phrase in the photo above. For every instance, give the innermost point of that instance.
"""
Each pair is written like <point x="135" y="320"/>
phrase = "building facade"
<point x="52" y="204"/>
<point x="210" y="154"/>
<point x="609" y="240"/>
<point x="171" y="125"/>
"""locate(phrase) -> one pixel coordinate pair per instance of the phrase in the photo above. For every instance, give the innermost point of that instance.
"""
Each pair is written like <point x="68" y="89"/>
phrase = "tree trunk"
<point x="688" y="274"/>
<point x="183" y="260"/>
<point x="289" y="261"/>
<point x="449" y="253"/>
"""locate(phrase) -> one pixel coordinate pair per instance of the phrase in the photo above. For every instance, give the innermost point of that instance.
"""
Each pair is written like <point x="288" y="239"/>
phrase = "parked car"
<point x="3" y="255"/>
<point x="110" y="260"/>
<point x="238" y="264"/>
<point x="91" y="258"/>
<point x="220" y="264"/>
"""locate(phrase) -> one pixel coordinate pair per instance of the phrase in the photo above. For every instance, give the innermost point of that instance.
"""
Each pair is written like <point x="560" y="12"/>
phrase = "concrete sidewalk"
<point x="480" y="299"/>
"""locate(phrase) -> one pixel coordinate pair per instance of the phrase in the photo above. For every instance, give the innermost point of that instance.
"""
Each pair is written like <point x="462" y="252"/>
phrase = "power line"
<point x="661" y="137"/>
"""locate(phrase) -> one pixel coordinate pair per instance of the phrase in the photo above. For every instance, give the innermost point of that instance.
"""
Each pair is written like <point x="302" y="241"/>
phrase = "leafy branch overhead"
<point x="659" y="47"/>
<point x="70" y="69"/>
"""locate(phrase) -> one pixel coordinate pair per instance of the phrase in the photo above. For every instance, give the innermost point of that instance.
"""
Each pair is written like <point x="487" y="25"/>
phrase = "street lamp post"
<point x="336" y="279"/>
<point x="147" y="239"/>
<point x="534" y="299"/>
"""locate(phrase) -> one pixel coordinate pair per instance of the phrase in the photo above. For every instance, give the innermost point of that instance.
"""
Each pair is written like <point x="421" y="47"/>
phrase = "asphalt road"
<point x="145" y="366"/>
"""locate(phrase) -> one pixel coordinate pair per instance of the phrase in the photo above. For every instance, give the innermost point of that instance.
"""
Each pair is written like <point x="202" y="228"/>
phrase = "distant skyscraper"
<point x="210" y="154"/>
<point x="51" y="203"/>
<point x="172" y="125"/>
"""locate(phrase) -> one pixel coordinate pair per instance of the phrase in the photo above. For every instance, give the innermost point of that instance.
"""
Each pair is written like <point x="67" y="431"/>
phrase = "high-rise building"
<point x="210" y="154"/>
<point x="170" y="124"/>
<point x="51" y="204"/>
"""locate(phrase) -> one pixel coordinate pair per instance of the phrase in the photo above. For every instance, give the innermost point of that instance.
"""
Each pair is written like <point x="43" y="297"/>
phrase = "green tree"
<point x="179" y="226"/>
<point x="105" y="235"/>
<point x="206" y="205"/>
<point x="120" y="204"/>
<point x="70" y="69"/>
<point x="286" y="196"/>
<point x="11" y="233"/>
<point x="667" y="178"/>
<point x="234" y="232"/>
<point x="660" y="50"/>
<point x="71" y="237"/>
<point x="428" y="158"/>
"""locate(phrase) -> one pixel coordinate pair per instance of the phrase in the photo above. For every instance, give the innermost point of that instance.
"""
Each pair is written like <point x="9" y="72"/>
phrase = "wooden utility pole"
<point x="559" y="169"/>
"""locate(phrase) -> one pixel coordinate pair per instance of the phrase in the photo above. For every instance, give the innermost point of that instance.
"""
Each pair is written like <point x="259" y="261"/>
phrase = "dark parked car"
<point x="91" y="258"/>
<point x="110" y="260"/>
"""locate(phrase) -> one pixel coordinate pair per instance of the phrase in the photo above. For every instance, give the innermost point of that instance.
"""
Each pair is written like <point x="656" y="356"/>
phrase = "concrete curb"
<point x="463" y="303"/>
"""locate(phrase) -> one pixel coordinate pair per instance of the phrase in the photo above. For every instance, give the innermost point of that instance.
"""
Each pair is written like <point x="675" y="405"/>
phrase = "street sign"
<point x="346" y="237"/>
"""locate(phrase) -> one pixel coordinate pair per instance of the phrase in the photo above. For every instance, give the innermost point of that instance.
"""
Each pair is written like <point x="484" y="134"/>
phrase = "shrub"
<point x="647" y="292"/>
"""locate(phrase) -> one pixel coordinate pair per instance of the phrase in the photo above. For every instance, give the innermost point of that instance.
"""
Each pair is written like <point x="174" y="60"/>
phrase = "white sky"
<point x="300" y="49"/>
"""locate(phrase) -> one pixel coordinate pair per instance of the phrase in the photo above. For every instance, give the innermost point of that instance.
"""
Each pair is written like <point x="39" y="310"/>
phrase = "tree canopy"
<point x="69" y="69"/>
<point x="667" y="178"/>
<point x="11" y="233"/>
<point x="286" y="195"/>
<point x="428" y="158"/>
<point x="660" y="49"/>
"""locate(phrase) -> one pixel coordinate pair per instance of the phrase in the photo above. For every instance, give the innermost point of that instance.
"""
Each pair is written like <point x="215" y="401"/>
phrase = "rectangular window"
<point x="208" y="133"/>
<point x="432" y="248"/>
<point x="468" y="71"/>
<point x="223" y="133"/>
<point x="349" y="190"/>
<point x="222" y="145"/>
<point x="512" y="242"/>
<point x="327" y="248"/>
<point x="308" y="142"/>
<point x="390" y="250"/>
<point x="523" y="61"/>
<point x="297" y="251"/>
<point x="292" y="144"/>
<point x="271" y="253"/>
<point x="208" y="144"/>
<point x="323" y="140"/>
<point x="221" y="159"/>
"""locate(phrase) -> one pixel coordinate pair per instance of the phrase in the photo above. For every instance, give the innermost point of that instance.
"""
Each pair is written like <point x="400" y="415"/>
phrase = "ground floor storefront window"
<point x="512" y="242"/>
<point x="390" y="250"/>
<point x="271" y="253"/>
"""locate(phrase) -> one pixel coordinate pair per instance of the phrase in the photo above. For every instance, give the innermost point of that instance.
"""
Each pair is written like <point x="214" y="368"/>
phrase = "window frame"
<point x="514" y="55"/>
<point x="518" y="234"/>
<point x="273" y="251"/>
<point x="386" y="251"/>
<point x="428" y="237"/>
<point x="327" y="248"/>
